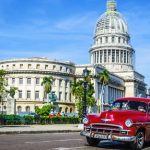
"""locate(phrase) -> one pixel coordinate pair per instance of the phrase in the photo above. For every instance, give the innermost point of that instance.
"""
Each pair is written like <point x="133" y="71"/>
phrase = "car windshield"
<point x="129" y="105"/>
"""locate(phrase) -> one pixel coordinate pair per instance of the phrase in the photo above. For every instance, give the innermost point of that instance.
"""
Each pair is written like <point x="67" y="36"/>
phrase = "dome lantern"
<point x="111" y="5"/>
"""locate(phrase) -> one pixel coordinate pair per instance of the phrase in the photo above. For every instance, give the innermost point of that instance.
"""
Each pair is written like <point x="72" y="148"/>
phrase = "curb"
<point x="37" y="132"/>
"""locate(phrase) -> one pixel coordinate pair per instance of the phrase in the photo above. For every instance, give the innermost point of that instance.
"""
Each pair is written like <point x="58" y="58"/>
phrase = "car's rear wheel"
<point x="92" y="141"/>
<point x="139" y="143"/>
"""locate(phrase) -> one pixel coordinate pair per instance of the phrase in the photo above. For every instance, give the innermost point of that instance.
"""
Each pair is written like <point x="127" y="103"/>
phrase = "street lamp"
<point x="85" y="74"/>
<point x="148" y="93"/>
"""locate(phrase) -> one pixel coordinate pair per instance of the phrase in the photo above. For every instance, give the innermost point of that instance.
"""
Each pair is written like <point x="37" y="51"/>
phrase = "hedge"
<point x="29" y="120"/>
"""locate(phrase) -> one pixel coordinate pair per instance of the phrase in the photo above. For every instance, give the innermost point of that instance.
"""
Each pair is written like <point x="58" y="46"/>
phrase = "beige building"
<point x="27" y="75"/>
<point x="111" y="49"/>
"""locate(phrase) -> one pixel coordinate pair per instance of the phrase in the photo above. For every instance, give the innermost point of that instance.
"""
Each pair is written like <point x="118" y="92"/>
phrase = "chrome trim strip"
<point x="110" y="129"/>
<point x="110" y="137"/>
<point x="105" y="124"/>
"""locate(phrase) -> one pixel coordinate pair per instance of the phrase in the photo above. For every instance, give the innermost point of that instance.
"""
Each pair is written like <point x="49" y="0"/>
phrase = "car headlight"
<point x="85" y="121"/>
<point x="128" y="123"/>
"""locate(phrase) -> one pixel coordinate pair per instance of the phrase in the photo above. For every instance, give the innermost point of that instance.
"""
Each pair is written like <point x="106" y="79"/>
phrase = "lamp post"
<point x="85" y="74"/>
<point x="148" y="95"/>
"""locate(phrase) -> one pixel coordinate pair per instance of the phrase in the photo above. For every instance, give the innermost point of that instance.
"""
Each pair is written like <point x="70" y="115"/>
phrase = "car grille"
<point x="104" y="128"/>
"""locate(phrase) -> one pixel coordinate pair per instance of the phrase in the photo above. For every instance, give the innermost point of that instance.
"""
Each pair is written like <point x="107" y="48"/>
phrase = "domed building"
<point x="110" y="50"/>
<point x="111" y="46"/>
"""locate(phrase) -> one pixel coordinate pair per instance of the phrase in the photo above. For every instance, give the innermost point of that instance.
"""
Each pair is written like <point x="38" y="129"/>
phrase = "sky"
<point x="64" y="29"/>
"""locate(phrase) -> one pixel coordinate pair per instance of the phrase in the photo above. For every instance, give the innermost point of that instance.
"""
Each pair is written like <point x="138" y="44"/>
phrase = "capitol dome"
<point x="111" y="21"/>
<point x="111" y="47"/>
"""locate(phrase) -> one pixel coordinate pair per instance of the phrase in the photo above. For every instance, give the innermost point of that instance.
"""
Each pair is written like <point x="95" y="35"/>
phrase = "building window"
<point x="13" y="80"/>
<point x="121" y="57"/>
<point x="20" y="94"/>
<point x="100" y="40"/>
<point x="60" y="83"/>
<point x="60" y="95"/>
<point x="36" y="95"/>
<point x="66" y="83"/>
<point x="66" y="95"/>
<point x="6" y="81"/>
<point x="38" y="66"/>
<point x="66" y="69"/>
<point x="113" y="39"/>
<point x="13" y="66"/>
<point x="54" y="67"/>
<point x="113" y="55"/>
<point x="70" y="110"/>
<point x="119" y="40"/>
<point x="7" y="66"/>
<point x="37" y="81"/>
<point x="60" y="68"/>
<point x="54" y="82"/>
<point x="19" y="109"/>
<point x="117" y="56"/>
<point x="28" y="80"/>
<point x="28" y="94"/>
<point x="105" y="56"/>
<point x="20" y="80"/>
<point x="125" y="57"/>
<point x="70" y="70"/>
<point x="109" y="55"/>
<point x="29" y="66"/>
<point x="28" y="109"/>
<point x="66" y="109"/>
<point x="106" y="38"/>
<point x="70" y="97"/>
<point x="101" y="56"/>
<point x="21" y="66"/>
<point x="46" y="67"/>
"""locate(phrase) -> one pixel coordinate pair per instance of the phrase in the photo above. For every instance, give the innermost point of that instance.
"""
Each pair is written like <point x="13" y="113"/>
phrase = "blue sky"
<point x="64" y="29"/>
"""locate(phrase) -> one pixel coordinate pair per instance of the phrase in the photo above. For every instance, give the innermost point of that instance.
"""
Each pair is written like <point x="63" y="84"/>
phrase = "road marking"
<point x="53" y="141"/>
<point x="71" y="148"/>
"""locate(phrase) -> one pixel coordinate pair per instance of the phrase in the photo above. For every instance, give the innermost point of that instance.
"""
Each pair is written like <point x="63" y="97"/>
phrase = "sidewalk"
<point x="26" y="129"/>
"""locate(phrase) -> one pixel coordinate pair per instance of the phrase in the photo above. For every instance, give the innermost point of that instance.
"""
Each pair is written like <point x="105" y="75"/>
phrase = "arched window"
<point x="19" y="109"/>
<point x="70" y="110"/>
<point x="66" y="109"/>
<point x="28" y="109"/>
<point x="60" y="109"/>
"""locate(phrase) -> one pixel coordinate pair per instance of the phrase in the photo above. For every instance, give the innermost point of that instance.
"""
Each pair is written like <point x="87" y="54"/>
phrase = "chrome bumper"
<point x="108" y="137"/>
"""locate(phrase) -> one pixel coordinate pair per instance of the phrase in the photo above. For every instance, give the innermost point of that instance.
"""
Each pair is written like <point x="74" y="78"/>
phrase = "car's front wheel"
<point x="92" y="141"/>
<point x="139" y="143"/>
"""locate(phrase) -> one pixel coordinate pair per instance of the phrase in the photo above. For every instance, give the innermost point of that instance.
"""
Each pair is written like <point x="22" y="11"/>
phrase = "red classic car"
<point x="128" y="120"/>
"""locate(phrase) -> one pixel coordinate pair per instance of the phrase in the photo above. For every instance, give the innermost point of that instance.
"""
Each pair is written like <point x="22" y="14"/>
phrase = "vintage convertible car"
<point x="128" y="120"/>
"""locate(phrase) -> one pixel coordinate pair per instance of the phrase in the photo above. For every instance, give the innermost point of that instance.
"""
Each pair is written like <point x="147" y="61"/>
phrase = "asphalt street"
<point x="54" y="141"/>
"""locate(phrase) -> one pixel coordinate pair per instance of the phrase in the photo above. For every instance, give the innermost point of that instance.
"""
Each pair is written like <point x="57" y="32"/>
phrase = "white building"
<point x="111" y="49"/>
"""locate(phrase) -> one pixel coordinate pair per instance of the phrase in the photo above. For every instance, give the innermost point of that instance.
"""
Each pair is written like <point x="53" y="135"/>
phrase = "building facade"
<point x="27" y="75"/>
<point x="110" y="50"/>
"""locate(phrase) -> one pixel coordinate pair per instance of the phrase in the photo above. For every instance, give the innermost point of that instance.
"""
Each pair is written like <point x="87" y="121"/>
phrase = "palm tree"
<point x="2" y="86"/>
<point x="104" y="80"/>
<point x="47" y="83"/>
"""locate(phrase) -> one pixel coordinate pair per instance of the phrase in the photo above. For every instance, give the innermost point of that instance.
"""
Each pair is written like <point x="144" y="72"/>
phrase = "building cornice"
<point x="39" y="72"/>
<point x="37" y="61"/>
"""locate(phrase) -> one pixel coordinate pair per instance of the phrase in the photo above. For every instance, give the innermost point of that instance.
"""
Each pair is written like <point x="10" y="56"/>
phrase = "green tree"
<point x="3" y="92"/>
<point x="45" y="110"/>
<point x="104" y="80"/>
<point x="12" y="91"/>
<point x="47" y="83"/>
<point x="77" y="91"/>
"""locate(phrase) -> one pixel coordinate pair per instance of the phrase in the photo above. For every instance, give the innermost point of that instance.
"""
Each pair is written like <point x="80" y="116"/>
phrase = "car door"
<point x="148" y="123"/>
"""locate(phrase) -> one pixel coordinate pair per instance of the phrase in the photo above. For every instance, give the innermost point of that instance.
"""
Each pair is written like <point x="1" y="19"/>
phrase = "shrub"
<point x="17" y="120"/>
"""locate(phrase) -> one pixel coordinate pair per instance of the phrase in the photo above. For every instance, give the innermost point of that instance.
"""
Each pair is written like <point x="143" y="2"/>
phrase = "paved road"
<point x="52" y="141"/>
